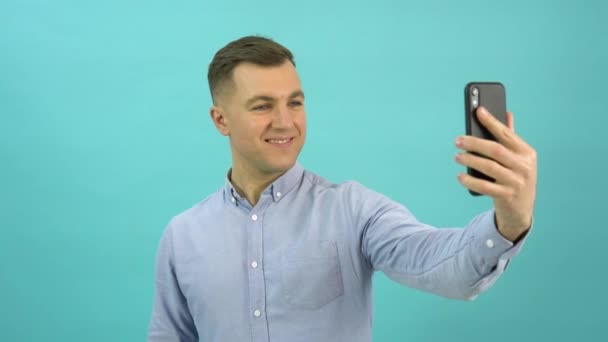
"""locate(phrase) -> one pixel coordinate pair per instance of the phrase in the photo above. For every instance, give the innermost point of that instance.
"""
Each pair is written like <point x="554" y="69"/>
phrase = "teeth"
<point x="273" y="141"/>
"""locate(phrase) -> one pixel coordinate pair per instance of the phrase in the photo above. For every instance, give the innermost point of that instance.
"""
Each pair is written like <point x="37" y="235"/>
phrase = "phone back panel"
<point x="491" y="96"/>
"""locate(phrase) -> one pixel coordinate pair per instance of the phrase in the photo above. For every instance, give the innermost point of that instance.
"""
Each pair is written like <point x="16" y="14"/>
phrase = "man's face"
<point x="264" y="116"/>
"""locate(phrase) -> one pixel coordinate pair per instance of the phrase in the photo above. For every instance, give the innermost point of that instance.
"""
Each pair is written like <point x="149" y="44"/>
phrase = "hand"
<point x="513" y="165"/>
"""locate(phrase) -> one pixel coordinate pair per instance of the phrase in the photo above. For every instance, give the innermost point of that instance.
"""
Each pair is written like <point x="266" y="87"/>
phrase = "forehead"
<point x="250" y="79"/>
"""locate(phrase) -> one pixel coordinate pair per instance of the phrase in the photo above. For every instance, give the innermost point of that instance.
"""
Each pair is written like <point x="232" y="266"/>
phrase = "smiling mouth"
<point x="280" y="142"/>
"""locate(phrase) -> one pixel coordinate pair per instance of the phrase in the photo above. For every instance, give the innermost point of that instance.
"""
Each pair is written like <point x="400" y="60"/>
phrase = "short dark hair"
<point x="250" y="49"/>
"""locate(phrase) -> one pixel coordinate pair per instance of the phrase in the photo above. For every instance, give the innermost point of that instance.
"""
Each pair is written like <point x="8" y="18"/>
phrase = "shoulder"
<point x="361" y="199"/>
<point x="201" y="211"/>
<point x="321" y="183"/>
<point x="349" y="192"/>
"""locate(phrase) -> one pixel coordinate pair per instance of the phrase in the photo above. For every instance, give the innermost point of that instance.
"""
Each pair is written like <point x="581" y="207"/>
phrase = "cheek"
<point x="250" y="132"/>
<point x="301" y="123"/>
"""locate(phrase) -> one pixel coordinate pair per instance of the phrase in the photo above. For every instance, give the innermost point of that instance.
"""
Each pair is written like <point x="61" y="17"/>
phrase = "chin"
<point x="280" y="166"/>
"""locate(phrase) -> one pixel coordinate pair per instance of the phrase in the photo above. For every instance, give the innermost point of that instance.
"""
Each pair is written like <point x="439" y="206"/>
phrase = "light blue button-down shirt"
<point x="298" y="265"/>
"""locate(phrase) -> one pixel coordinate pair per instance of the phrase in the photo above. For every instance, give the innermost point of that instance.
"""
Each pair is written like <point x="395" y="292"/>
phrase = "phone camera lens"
<point x="475" y="103"/>
<point x="475" y="91"/>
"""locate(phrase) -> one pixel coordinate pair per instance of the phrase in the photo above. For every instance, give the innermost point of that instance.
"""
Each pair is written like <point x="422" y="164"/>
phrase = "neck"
<point x="250" y="183"/>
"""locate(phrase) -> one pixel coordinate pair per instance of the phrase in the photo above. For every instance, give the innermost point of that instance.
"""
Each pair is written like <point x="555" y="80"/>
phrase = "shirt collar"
<point x="278" y="189"/>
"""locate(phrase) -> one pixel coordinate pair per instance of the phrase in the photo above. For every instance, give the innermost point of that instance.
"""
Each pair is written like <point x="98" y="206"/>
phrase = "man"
<point x="280" y="254"/>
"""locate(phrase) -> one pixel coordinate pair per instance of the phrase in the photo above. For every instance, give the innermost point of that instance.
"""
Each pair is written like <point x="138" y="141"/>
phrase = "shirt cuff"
<point x="493" y="249"/>
<point x="490" y="243"/>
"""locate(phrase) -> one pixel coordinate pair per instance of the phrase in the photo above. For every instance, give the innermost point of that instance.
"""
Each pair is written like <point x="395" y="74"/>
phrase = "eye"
<point x="261" y="107"/>
<point x="296" y="103"/>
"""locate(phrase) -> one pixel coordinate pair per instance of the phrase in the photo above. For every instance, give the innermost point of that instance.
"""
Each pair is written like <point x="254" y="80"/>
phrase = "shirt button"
<point x="257" y="313"/>
<point x="254" y="264"/>
<point x="232" y="199"/>
<point x="278" y="194"/>
<point x="490" y="243"/>
<point x="254" y="217"/>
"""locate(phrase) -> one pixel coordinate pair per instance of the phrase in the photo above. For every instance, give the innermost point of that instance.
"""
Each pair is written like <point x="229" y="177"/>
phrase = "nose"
<point x="282" y="117"/>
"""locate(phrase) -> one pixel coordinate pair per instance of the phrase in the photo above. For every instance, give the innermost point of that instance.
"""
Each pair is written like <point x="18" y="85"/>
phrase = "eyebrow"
<point x="268" y="98"/>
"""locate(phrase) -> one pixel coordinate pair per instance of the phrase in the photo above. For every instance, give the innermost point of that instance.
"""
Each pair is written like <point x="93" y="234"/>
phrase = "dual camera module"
<point x="474" y="97"/>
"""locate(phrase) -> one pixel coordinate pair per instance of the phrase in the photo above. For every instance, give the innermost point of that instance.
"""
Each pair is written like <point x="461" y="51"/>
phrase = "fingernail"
<point x="459" y="141"/>
<point x="483" y="111"/>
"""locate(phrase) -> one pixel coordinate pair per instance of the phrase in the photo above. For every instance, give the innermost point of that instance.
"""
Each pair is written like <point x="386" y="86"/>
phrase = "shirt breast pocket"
<point x="311" y="275"/>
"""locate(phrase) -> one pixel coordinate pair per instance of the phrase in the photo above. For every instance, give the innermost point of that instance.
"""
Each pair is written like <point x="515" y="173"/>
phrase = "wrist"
<point x="511" y="233"/>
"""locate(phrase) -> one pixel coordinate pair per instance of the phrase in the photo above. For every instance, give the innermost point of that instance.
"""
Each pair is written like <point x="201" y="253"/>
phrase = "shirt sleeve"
<point x="171" y="319"/>
<point x="457" y="263"/>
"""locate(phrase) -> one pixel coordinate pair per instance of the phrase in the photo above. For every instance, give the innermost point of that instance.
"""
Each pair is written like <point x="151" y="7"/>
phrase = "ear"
<point x="221" y="122"/>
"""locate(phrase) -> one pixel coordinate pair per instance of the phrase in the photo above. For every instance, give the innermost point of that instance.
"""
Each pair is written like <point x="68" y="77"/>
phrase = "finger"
<point x="503" y="134"/>
<point x="482" y="186"/>
<point x="510" y="121"/>
<point x="490" y="149"/>
<point x="501" y="174"/>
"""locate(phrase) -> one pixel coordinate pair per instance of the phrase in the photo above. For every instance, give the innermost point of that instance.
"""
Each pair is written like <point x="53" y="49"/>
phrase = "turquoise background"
<point x="105" y="135"/>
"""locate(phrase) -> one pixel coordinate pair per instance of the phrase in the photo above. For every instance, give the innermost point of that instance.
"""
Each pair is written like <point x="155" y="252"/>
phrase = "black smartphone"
<point x="490" y="95"/>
